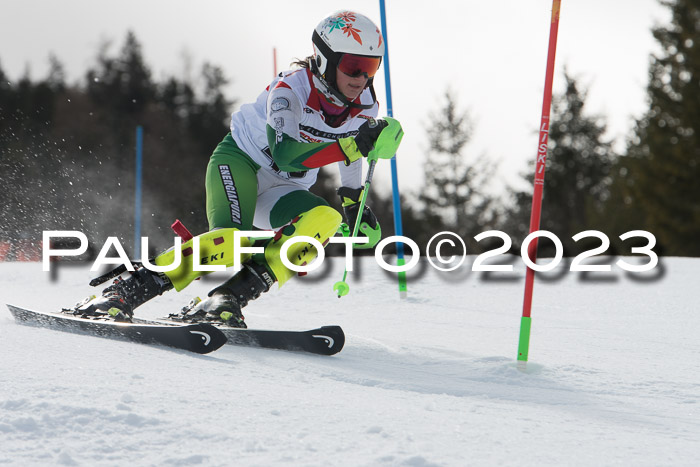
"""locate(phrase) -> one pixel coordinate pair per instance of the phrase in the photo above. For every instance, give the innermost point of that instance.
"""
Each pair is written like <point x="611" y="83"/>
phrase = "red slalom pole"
<point x="526" y="320"/>
<point x="274" y="60"/>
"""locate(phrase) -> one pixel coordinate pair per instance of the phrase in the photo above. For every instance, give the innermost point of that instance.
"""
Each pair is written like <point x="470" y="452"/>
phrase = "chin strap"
<point x="354" y="105"/>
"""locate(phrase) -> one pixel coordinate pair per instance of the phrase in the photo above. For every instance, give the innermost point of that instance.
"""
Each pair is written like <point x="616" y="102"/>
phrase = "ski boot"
<point x="119" y="299"/>
<point x="224" y="303"/>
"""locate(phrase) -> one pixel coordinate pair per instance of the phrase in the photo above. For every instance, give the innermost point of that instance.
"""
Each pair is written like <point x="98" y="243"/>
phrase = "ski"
<point x="326" y="340"/>
<point x="200" y="338"/>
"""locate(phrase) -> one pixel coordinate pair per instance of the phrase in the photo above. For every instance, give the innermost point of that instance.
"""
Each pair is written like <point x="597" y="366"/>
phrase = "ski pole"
<point x="341" y="287"/>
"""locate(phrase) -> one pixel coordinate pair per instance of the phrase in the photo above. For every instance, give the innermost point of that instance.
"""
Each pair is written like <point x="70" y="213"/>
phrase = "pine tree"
<point x="455" y="185"/>
<point x="210" y="116"/>
<point x="67" y="152"/>
<point x="122" y="84"/>
<point x="663" y="169"/>
<point x="577" y="177"/>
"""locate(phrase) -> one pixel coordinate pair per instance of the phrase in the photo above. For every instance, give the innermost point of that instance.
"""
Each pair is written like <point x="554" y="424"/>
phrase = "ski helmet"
<point x="348" y="41"/>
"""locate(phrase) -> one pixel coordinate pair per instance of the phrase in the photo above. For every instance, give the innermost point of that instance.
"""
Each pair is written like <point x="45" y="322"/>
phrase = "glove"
<point x="363" y="142"/>
<point x="369" y="225"/>
<point x="388" y="142"/>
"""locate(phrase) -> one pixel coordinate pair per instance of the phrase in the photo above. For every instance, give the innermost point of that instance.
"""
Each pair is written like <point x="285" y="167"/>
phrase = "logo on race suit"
<point x="278" y="104"/>
<point x="231" y="192"/>
<point x="325" y="134"/>
<point x="308" y="138"/>
<point x="279" y="125"/>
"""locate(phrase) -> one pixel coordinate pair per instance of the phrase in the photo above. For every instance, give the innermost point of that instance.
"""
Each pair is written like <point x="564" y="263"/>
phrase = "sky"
<point x="490" y="55"/>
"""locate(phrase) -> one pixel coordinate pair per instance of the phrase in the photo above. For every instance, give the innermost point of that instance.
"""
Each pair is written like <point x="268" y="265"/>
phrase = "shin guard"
<point x="320" y="223"/>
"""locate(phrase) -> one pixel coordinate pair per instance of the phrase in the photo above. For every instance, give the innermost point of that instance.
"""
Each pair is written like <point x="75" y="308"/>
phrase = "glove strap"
<point x="350" y="196"/>
<point x="350" y="149"/>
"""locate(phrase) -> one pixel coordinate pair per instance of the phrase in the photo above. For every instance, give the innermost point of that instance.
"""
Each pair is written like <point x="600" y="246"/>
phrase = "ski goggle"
<point x="357" y="65"/>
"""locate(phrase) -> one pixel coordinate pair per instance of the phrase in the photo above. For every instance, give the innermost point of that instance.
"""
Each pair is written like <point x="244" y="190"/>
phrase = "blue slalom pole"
<point x="398" y="224"/>
<point x="137" y="194"/>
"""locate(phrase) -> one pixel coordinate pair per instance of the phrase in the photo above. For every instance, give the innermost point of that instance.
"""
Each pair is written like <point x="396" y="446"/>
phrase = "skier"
<point x="320" y="113"/>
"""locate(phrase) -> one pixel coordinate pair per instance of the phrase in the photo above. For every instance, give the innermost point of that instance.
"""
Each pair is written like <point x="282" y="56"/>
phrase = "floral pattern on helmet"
<point x="343" y="22"/>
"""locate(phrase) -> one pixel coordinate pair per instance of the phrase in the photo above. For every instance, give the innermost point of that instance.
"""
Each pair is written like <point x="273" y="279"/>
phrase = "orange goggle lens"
<point x="356" y="65"/>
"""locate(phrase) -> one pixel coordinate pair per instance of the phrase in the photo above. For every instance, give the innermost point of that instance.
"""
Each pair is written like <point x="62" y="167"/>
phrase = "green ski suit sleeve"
<point x="284" y="112"/>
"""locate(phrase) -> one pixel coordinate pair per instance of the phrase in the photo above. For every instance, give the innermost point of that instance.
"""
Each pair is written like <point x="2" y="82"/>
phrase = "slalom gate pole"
<point x="398" y="223"/>
<point x="526" y="320"/>
<point x="137" y="194"/>
<point x="274" y="60"/>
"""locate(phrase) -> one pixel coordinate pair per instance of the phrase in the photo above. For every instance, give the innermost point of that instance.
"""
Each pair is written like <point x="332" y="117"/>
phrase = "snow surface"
<point x="613" y="377"/>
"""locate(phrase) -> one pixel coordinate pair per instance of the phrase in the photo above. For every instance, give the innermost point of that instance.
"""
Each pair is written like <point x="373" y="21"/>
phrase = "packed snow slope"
<point x="431" y="380"/>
